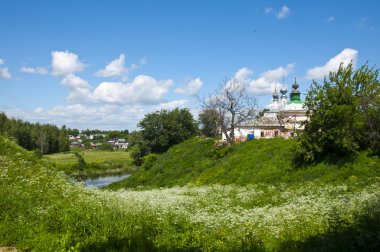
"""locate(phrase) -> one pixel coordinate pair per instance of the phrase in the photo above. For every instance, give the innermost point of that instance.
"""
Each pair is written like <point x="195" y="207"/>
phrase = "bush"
<point x="149" y="160"/>
<point x="344" y="115"/>
<point x="106" y="147"/>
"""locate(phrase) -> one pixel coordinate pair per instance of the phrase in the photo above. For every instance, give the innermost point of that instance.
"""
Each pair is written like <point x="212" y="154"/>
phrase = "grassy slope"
<point x="41" y="211"/>
<point x="197" y="162"/>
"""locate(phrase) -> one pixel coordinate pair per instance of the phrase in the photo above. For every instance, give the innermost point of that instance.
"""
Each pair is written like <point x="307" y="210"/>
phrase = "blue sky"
<point x="105" y="64"/>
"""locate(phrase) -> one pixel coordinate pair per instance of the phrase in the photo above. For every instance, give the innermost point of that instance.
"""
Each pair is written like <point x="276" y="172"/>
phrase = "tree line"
<point x="41" y="138"/>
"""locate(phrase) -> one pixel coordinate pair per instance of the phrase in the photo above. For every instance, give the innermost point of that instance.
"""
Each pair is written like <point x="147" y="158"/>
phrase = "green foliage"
<point x="105" y="147"/>
<point x="197" y="162"/>
<point x="164" y="128"/>
<point x="209" y="121"/>
<point x="46" y="138"/>
<point x="149" y="161"/>
<point x="41" y="211"/>
<point x="138" y="152"/>
<point x="97" y="162"/>
<point x="81" y="164"/>
<point x="160" y="130"/>
<point x="344" y="115"/>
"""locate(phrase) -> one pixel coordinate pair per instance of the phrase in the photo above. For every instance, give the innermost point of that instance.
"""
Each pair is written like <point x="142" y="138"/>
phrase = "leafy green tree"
<point x="161" y="130"/>
<point x="64" y="142"/>
<point x="74" y="132"/>
<point x="344" y="115"/>
<point x="164" y="128"/>
<point x="209" y="121"/>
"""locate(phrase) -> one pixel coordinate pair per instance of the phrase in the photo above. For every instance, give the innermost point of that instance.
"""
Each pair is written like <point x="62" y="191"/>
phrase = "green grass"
<point x="91" y="156"/>
<point x="97" y="162"/>
<point x="196" y="162"/>
<point x="41" y="211"/>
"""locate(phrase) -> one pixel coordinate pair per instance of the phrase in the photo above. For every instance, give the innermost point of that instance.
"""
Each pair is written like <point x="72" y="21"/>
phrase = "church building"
<point x="284" y="119"/>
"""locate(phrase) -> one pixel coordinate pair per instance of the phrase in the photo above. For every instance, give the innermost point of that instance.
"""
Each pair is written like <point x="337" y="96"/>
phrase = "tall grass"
<point x="41" y="211"/>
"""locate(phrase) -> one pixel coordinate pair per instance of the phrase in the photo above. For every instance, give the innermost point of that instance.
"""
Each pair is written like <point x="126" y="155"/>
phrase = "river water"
<point x="104" y="180"/>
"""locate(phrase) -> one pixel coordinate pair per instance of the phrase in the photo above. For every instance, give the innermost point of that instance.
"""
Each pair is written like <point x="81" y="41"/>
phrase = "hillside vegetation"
<point x="334" y="210"/>
<point x="196" y="162"/>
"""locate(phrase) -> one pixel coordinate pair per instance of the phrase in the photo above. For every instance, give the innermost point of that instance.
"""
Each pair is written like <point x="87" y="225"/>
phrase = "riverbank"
<point x="95" y="163"/>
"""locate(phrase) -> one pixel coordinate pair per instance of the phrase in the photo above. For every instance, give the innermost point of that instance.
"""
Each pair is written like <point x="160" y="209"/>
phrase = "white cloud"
<point x="114" y="68"/>
<point x="283" y="13"/>
<point x="173" y="104"/>
<point x="35" y="70"/>
<point x="4" y="73"/>
<point x="243" y="74"/>
<point x="267" y="80"/>
<point x="142" y="90"/>
<point x="65" y="62"/>
<point x="79" y="89"/>
<point x="94" y="116"/>
<point x="191" y="88"/>
<point x="345" y="57"/>
<point x="330" y="19"/>
<point x="2" y="62"/>
<point x="74" y="81"/>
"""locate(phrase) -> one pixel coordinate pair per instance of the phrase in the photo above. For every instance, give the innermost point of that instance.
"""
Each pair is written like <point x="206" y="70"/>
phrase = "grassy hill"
<point x="322" y="208"/>
<point x="196" y="162"/>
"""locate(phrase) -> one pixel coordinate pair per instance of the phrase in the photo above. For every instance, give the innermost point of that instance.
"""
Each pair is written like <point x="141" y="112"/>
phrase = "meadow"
<point x="42" y="211"/>
<point x="96" y="162"/>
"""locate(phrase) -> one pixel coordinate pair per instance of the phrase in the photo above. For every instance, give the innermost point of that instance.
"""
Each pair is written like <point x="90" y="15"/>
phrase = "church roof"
<point x="268" y="120"/>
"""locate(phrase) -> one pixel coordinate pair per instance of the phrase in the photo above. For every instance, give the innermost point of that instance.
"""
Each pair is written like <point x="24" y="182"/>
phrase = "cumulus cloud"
<point x="191" y="88"/>
<point x="34" y="70"/>
<point x="95" y="116"/>
<point x="173" y="104"/>
<point x="243" y="74"/>
<point x="79" y="89"/>
<point x="2" y="62"/>
<point x="65" y="62"/>
<point x="345" y="57"/>
<point x="83" y="116"/>
<point x="4" y="73"/>
<point x="74" y="81"/>
<point x="142" y="90"/>
<point x="283" y="13"/>
<point x="114" y="68"/>
<point x="267" y="80"/>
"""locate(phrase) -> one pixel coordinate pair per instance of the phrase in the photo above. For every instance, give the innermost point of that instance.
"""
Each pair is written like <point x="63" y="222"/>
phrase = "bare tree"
<point x="234" y="105"/>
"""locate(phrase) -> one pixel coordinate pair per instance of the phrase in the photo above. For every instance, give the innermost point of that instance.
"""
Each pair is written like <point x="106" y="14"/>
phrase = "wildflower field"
<point x="41" y="211"/>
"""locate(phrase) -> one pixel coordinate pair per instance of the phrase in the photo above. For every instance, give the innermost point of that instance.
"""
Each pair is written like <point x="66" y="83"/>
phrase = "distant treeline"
<point x="41" y="138"/>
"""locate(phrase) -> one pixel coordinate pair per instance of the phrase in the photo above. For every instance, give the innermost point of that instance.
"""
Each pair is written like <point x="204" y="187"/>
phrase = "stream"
<point x="103" y="181"/>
